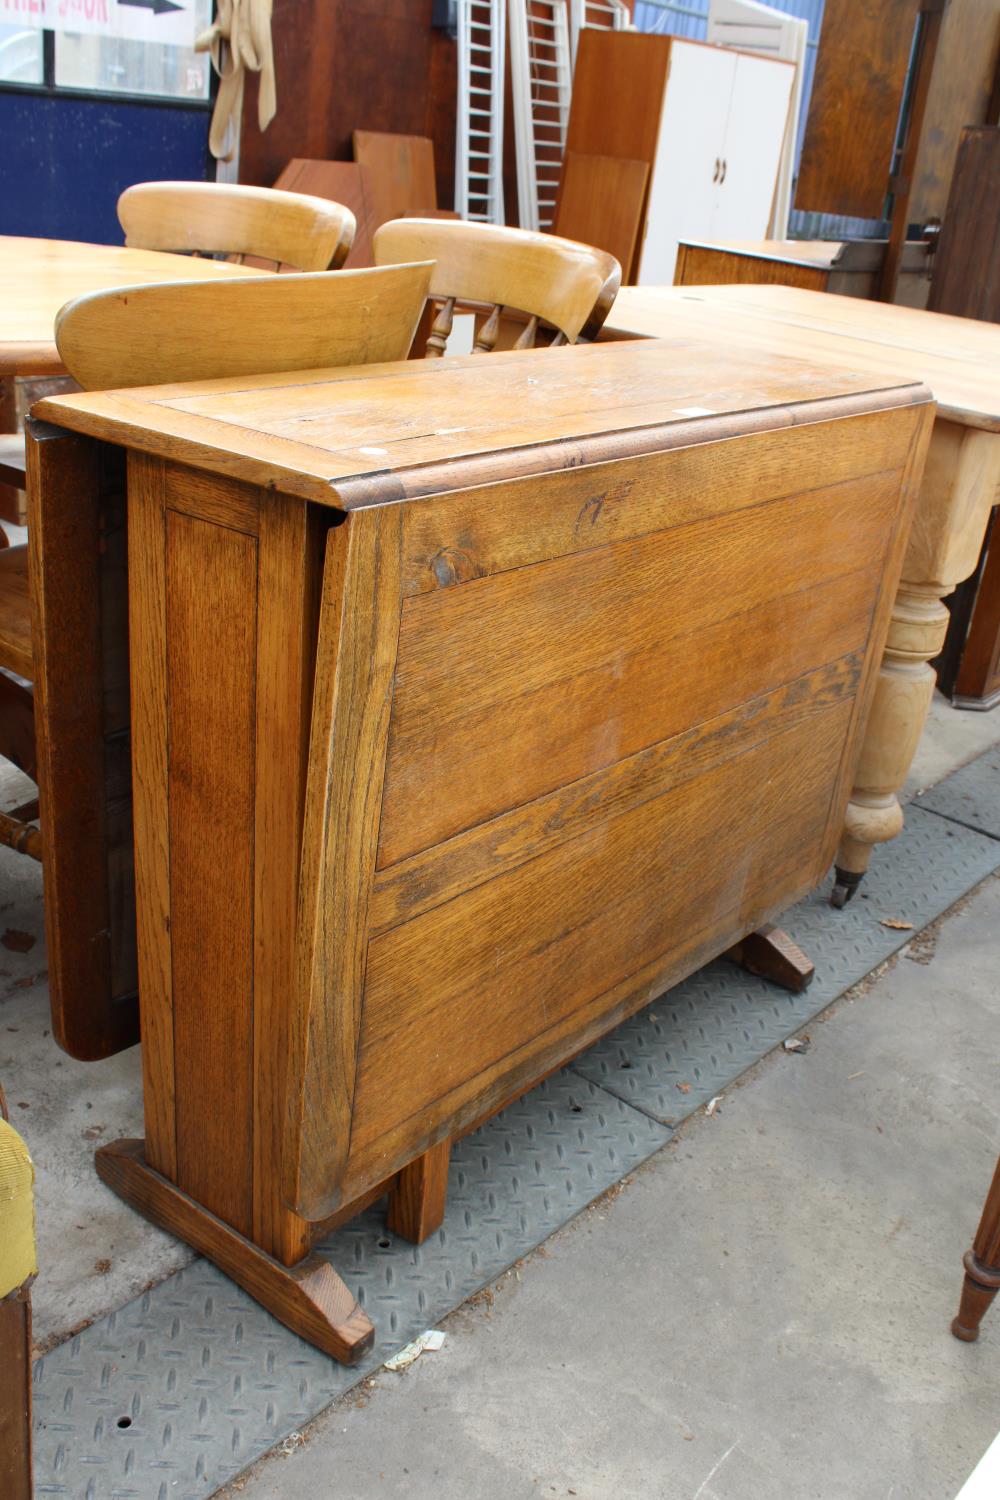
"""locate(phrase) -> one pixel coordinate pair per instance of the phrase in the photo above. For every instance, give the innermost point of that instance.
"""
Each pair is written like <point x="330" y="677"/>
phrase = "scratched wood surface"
<point x="957" y="358"/>
<point x="585" y="790"/>
<point x="340" y="437"/>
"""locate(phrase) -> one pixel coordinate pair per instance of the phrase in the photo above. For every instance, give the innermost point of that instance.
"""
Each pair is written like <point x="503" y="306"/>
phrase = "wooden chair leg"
<point x="11" y="497"/>
<point x="982" y="1268"/>
<point x="15" y="1395"/>
<point x="417" y="1198"/>
<point x="17" y="725"/>
<point x="16" y="1213"/>
<point x="771" y="953"/>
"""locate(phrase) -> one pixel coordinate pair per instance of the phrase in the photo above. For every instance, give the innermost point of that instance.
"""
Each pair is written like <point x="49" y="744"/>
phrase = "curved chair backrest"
<point x="216" y="218"/>
<point x="569" y="285"/>
<point x="202" y="330"/>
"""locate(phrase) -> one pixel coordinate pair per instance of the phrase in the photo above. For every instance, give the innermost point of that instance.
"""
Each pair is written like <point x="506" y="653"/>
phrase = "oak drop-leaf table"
<point x="473" y="704"/>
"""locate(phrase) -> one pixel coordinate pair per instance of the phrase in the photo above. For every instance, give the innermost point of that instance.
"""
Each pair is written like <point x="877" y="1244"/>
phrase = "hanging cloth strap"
<point x="238" y="39"/>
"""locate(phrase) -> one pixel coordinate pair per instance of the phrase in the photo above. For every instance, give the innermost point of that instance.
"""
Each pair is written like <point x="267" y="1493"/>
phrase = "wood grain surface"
<point x="356" y="657"/>
<point x="235" y="219"/>
<point x="211" y="576"/>
<point x="15" y="1396"/>
<point x="79" y="595"/>
<point x="309" y="1298"/>
<point x="203" y="330"/>
<point x="480" y="702"/>
<point x="344" y="182"/>
<point x="965" y="69"/>
<point x="348" y="439"/>
<point x="957" y="358"/>
<point x="707" y="265"/>
<point x="966" y="278"/>
<point x="864" y="50"/>
<point x="601" y="201"/>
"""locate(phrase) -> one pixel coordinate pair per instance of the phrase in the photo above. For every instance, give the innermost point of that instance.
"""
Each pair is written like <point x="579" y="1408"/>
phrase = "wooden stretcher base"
<point x="309" y="1298"/>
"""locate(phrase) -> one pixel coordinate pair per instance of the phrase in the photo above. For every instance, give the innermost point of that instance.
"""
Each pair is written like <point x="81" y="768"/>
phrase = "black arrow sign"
<point x="158" y="7"/>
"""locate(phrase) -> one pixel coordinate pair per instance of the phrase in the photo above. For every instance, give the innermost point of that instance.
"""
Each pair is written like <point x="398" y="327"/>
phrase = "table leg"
<point x="982" y="1268"/>
<point x="223" y="603"/>
<point x="960" y="486"/>
<point x="11" y="500"/>
<point x="81" y="703"/>
<point x="417" y="1198"/>
<point x="15" y="1395"/>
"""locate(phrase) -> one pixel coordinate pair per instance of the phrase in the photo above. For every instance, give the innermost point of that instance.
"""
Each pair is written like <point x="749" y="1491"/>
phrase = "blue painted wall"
<point x="66" y="159"/>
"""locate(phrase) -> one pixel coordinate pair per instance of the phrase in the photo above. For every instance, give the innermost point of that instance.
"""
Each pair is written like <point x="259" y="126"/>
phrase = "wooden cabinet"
<point x="474" y="706"/>
<point x="852" y="268"/>
<point x="710" y="121"/>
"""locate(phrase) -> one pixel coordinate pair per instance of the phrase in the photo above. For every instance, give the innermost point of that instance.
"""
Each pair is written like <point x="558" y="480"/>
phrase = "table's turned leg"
<point x="960" y="487"/>
<point x="982" y="1268"/>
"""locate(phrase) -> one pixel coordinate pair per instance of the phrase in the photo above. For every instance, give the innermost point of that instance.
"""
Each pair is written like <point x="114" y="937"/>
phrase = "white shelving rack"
<point x="603" y="15"/>
<point x="481" y="38"/>
<point x="541" y="79"/>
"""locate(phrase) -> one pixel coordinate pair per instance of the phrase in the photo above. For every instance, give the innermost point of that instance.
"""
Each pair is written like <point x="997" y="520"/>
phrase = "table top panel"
<point x="958" y="358"/>
<point x="350" y="437"/>
<point x="38" y="277"/>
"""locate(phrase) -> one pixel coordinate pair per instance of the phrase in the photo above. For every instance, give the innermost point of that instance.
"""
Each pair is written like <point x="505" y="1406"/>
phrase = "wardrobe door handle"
<point x="725" y="164"/>
<point x="715" y="174"/>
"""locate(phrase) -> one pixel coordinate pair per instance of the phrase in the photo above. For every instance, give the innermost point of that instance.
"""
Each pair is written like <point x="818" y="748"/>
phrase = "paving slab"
<point x="761" y="1314"/>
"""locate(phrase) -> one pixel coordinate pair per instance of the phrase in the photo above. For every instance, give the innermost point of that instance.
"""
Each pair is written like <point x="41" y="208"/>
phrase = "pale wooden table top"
<point x="350" y="437"/>
<point x="37" y="277"/>
<point x="958" y="358"/>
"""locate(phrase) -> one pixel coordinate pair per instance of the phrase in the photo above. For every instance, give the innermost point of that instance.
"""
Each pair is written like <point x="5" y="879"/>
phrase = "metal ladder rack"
<point x="541" y="76"/>
<point x="479" y="125"/>
<point x="601" y="15"/>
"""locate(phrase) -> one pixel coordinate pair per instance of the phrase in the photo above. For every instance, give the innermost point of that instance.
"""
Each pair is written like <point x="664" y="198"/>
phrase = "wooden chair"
<point x="210" y="218"/>
<point x="214" y="218"/>
<point x="17" y="1271"/>
<point x="181" y="331"/>
<point x="555" y="281"/>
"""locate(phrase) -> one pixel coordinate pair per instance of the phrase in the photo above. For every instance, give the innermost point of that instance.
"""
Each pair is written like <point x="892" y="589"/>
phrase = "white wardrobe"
<point x="709" y="120"/>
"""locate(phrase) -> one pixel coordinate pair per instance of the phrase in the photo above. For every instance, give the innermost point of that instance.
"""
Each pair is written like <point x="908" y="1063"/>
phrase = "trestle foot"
<point x="773" y="955"/>
<point x="309" y="1298"/>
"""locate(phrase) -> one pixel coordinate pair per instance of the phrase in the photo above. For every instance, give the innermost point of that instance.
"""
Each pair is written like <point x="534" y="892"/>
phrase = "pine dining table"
<point x="37" y="278"/>
<point x="959" y="360"/>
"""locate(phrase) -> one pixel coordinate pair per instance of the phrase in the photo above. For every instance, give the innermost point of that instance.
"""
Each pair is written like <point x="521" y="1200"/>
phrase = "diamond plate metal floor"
<point x="180" y="1390"/>
<point x="707" y="1031"/>
<point x="971" y="796"/>
<point x="177" y="1392"/>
